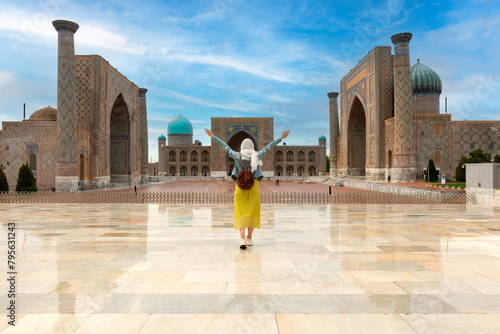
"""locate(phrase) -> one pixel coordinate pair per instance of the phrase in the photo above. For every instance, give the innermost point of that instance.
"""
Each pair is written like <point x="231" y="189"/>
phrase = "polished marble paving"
<point x="312" y="269"/>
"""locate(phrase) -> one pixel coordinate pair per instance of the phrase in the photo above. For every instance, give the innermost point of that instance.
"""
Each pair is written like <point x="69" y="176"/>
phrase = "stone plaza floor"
<point x="143" y="268"/>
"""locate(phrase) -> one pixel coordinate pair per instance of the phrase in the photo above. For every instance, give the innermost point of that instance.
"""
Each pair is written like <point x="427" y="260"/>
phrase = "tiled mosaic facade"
<point x="90" y="91"/>
<point x="366" y="101"/>
<point x="197" y="160"/>
<point x="66" y="127"/>
<point x="404" y="125"/>
<point x="18" y="140"/>
<point x="377" y="95"/>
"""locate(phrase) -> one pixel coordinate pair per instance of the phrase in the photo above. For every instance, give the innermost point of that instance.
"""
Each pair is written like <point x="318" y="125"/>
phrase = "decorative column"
<point x="143" y="133"/>
<point x="405" y="162"/>
<point x="334" y="132"/>
<point x="66" y="156"/>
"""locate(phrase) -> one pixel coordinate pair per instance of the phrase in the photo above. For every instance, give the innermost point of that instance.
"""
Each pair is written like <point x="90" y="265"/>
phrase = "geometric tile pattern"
<point x="143" y="128"/>
<point x="252" y="129"/>
<point x="86" y="93"/>
<point x="334" y="129"/>
<point x="23" y="137"/>
<point x="469" y="136"/>
<point x="404" y="127"/>
<point x="118" y="154"/>
<point x="224" y="127"/>
<point x="429" y="141"/>
<point x="119" y="138"/>
<point x="94" y="167"/>
<point x="66" y="124"/>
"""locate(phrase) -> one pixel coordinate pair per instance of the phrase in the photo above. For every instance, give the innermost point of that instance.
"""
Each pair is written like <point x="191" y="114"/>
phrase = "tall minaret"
<point x="405" y="162"/>
<point x="334" y="132"/>
<point x="66" y="156"/>
<point x="143" y="132"/>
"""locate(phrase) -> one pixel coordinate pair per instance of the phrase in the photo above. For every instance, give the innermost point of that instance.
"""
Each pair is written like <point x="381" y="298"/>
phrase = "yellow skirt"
<point x="247" y="207"/>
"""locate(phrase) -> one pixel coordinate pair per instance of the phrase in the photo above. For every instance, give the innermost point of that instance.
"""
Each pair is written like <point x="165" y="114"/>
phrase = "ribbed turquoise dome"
<point x="162" y="137"/>
<point x="322" y="137"/>
<point x="180" y="125"/>
<point x="424" y="80"/>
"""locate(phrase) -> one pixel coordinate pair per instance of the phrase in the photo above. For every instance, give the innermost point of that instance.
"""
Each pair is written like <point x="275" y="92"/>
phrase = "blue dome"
<point x="322" y="138"/>
<point x="180" y="125"/>
<point x="162" y="137"/>
<point x="424" y="80"/>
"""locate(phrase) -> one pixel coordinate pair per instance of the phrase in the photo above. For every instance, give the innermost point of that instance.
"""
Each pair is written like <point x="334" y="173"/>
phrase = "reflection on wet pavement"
<point x="312" y="269"/>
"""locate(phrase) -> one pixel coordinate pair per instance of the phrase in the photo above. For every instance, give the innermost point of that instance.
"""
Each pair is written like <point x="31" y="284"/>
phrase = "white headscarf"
<point x="247" y="149"/>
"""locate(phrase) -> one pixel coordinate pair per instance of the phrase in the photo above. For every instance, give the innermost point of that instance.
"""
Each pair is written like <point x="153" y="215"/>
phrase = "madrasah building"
<point x="96" y="138"/>
<point x="389" y="122"/>
<point x="180" y="156"/>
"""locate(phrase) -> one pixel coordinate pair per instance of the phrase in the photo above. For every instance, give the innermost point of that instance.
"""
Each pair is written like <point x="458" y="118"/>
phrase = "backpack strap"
<point x="248" y="165"/>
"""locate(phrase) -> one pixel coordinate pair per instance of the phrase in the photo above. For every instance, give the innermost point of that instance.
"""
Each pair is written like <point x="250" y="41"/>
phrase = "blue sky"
<point x="229" y="58"/>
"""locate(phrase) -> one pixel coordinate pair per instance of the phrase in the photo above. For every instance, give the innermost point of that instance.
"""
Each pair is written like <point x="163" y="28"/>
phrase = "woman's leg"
<point x="250" y="232"/>
<point x="242" y="233"/>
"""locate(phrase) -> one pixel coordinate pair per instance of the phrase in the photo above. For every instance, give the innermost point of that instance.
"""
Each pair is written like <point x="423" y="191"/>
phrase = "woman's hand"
<point x="285" y="134"/>
<point x="208" y="132"/>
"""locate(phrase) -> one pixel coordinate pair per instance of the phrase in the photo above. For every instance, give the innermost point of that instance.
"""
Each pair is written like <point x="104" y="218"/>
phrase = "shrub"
<point x="4" y="185"/>
<point x="479" y="156"/>
<point x="432" y="174"/>
<point x="497" y="158"/>
<point x="460" y="172"/>
<point x="25" y="179"/>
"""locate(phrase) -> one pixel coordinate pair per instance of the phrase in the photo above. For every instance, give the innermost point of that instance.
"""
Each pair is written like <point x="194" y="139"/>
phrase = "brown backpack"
<point x="245" y="177"/>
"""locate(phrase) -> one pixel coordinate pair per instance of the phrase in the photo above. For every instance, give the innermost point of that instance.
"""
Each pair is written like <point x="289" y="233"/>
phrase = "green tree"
<point x="479" y="156"/>
<point x="497" y="158"/>
<point x="460" y="170"/>
<point x="328" y="164"/>
<point x="25" y="179"/>
<point x="4" y="185"/>
<point x="432" y="174"/>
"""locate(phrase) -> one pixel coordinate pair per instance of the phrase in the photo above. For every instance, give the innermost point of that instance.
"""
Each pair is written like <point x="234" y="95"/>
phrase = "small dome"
<point x="180" y="125"/>
<point x="44" y="114"/>
<point x="162" y="137"/>
<point x="424" y="80"/>
<point x="322" y="137"/>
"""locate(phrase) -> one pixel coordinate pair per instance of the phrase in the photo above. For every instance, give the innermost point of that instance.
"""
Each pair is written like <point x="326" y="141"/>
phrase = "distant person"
<point x="247" y="202"/>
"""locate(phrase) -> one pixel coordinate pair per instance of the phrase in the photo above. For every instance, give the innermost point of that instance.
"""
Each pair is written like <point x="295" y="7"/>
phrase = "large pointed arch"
<point x="119" y="142"/>
<point x="235" y="143"/>
<point x="356" y="141"/>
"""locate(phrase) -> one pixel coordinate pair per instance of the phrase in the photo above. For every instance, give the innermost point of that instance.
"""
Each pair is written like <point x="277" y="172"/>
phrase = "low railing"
<point x="227" y="198"/>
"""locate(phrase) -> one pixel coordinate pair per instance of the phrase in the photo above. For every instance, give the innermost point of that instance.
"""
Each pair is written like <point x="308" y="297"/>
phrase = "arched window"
<point x="438" y="156"/>
<point x="194" y="156"/>
<point x="279" y="156"/>
<point x="194" y="171"/>
<point x="289" y="156"/>
<point x="171" y="156"/>
<point x="300" y="170"/>
<point x="172" y="171"/>
<point x="204" y="156"/>
<point x="312" y="156"/>
<point x="183" y="156"/>
<point x="389" y="159"/>
<point x="289" y="170"/>
<point x="301" y="156"/>
<point x="279" y="171"/>
<point x="205" y="171"/>
<point x="184" y="171"/>
<point x="312" y="171"/>
<point x="32" y="159"/>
